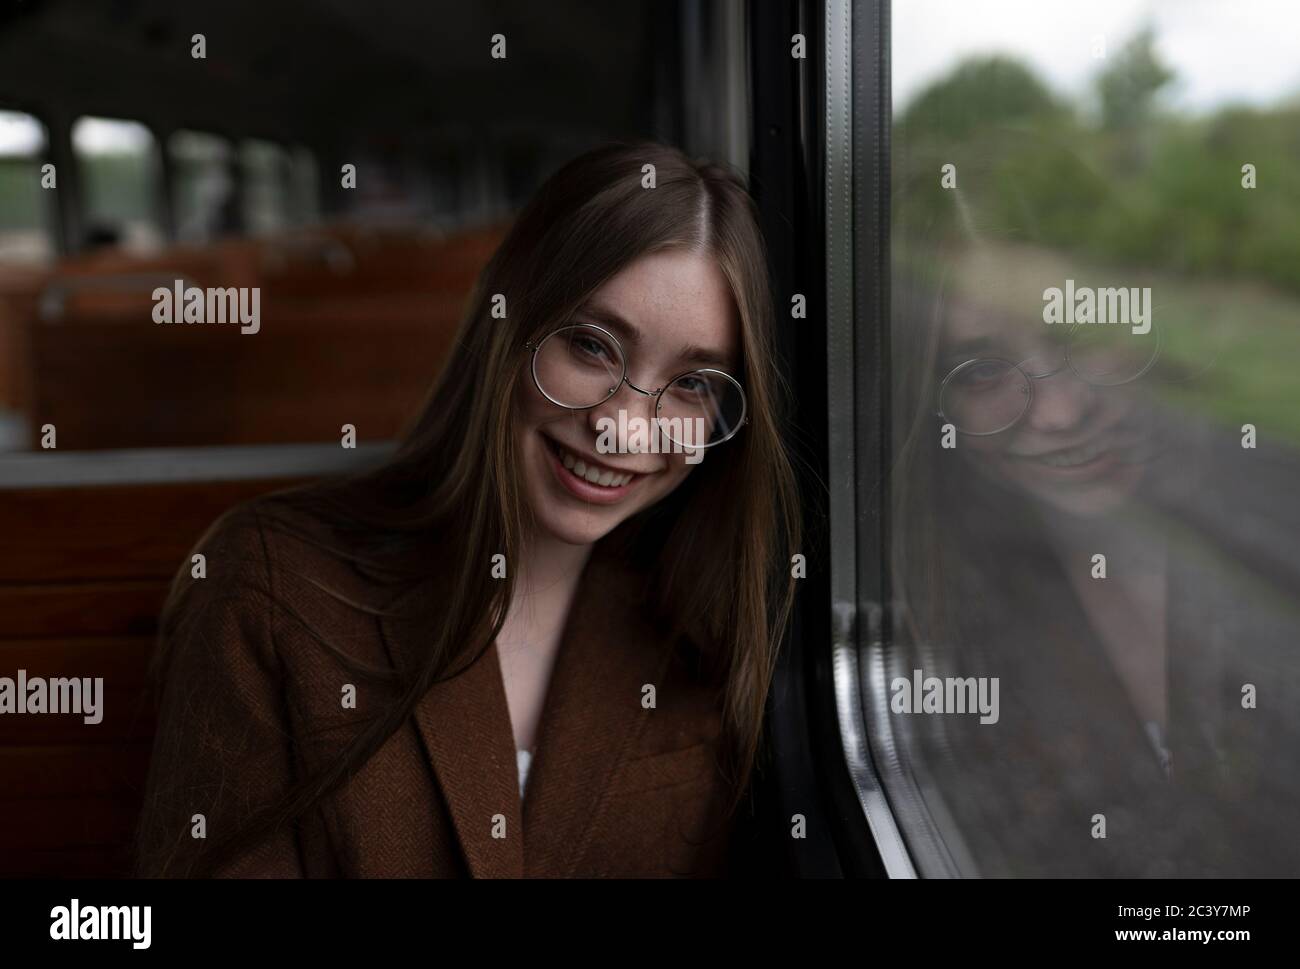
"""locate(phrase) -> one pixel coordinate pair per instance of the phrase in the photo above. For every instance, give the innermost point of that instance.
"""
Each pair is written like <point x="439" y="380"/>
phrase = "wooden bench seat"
<point x="83" y="574"/>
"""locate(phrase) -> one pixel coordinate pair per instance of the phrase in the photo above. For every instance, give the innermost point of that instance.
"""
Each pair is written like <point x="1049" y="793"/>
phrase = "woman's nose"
<point x="1061" y="402"/>
<point x="635" y="405"/>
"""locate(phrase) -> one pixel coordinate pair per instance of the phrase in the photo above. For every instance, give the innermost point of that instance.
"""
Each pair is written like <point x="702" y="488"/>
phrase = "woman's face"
<point x="1078" y="447"/>
<point x="672" y="312"/>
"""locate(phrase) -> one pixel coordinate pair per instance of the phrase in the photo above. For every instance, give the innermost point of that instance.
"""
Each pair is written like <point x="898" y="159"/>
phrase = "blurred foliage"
<point x="1125" y="183"/>
<point x="21" y="204"/>
<point x="119" y="187"/>
<point x="1116" y="189"/>
<point x="1127" y="88"/>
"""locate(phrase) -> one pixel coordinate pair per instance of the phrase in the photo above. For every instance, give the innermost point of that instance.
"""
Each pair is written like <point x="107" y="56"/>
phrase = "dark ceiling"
<point x="334" y="70"/>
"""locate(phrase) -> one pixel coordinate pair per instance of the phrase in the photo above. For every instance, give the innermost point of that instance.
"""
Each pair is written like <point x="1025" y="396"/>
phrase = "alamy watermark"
<point x="80" y="695"/>
<point x="658" y="435"/>
<point x="99" y="923"/>
<point x="1124" y="306"/>
<point x="190" y="304"/>
<point x="951" y="694"/>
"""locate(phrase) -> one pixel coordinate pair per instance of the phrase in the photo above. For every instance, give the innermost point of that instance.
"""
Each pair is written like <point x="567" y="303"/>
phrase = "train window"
<point x="268" y="195"/>
<point x="203" y="185"/>
<point x="1094" y="442"/>
<point x="120" y="176"/>
<point x="304" y="187"/>
<point x="26" y="229"/>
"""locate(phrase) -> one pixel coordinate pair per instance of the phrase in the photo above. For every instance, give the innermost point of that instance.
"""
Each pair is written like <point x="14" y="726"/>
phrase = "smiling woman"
<point x="504" y="595"/>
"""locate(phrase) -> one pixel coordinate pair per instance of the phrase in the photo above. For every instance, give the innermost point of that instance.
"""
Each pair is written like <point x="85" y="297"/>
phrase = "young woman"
<point x="535" y="642"/>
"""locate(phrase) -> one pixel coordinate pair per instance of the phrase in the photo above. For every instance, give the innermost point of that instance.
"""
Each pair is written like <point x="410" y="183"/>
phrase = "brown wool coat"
<point x="252" y="700"/>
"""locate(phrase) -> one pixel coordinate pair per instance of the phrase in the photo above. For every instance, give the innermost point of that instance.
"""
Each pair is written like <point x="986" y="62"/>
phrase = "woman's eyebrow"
<point x="624" y="330"/>
<point x="705" y="357"/>
<point x="629" y="334"/>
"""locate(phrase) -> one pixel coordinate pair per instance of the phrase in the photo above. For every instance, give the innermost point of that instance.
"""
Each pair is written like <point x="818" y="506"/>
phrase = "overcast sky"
<point x="1221" y="50"/>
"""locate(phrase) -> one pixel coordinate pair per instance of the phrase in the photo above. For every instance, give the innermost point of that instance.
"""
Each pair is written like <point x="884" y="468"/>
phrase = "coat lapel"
<point x="464" y="726"/>
<point x="592" y="715"/>
<point x="591" y="718"/>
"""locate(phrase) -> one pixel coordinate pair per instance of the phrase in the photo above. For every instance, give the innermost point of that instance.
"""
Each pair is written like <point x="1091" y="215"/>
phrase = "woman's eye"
<point x="590" y="347"/>
<point x="983" y="373"/>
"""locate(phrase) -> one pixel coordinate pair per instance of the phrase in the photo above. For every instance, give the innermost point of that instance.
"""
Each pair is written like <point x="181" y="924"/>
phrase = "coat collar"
<point x="591" y="717"/>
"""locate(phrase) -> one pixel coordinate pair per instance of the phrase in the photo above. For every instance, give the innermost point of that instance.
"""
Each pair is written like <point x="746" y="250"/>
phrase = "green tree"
<point x="980" y="93"/>
<point x="1128" y="86"/>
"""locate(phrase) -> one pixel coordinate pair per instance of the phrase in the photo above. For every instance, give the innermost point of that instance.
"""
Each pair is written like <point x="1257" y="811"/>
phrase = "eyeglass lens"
<point x="986" y="396"/>
<point x="580" y="366"/>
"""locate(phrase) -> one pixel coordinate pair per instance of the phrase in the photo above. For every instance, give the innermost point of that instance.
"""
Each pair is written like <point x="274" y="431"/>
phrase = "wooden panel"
<point x="359" y="345"/>
<point x="111" y="532"/>
<point x="83" y="573"/>
<point x="114" y="384"/>
<point x="17" y="317"/>
<point x="45" y="772"/>
<point x="104" y="861"/>
<point x="385" y="263"/>
<point x="81" y="609"/>
<point x="66" y="823"/>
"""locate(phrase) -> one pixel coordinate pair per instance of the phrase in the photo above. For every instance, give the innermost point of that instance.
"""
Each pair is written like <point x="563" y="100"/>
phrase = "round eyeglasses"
<point x="582" y="365"/>
<point x="990" y="395"/>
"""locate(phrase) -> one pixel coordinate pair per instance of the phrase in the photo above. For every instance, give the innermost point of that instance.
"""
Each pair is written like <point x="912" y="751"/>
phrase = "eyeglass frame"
<point x="1067" y="361"/>
<point x="623" y="379"/>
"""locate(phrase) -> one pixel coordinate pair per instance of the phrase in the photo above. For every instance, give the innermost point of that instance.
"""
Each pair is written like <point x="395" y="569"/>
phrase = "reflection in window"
<point x="203" y="185"/>
<point x="26" y="211"/>
<point x="1100" y="517"/>
<point x="268" y="187"/>
<point x="118" y="166"/>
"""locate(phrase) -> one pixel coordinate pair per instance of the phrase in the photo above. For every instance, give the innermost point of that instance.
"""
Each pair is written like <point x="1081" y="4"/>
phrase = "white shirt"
<point x="524" y="759"/>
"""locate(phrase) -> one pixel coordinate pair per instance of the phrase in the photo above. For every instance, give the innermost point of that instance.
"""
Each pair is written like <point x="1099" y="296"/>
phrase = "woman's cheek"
<point x="676" y="474"/>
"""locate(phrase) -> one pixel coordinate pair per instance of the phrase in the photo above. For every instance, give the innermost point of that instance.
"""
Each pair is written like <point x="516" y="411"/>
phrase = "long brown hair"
<point x="718" y="548"/>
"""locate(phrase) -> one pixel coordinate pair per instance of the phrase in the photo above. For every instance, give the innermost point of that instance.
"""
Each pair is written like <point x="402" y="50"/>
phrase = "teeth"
<point x="1073" y="457"/>
<point x="593" y="474"/>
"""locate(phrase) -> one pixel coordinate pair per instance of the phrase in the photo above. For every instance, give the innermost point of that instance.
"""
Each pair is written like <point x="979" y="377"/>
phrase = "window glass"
<point x="268" y="187"/>
<point x="121" y="182"/>
<point x="203" y="185"/>
<point x="26" y="210"/>
<point x="1095" y="429"/>
<point x="304" y="189"/>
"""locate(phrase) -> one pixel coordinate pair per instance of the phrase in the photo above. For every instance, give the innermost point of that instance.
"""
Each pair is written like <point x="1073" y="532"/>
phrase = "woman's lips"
<point x="1091" y="460"/>
<point x="580" y="487"/>
<point x="1070" y="457"/>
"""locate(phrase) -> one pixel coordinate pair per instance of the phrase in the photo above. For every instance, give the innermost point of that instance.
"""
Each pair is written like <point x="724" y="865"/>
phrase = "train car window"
<point x="1093" y="442"/>
<point x="121" y="181"/>
<point x="26" y="222"/>
<point x="268" y="194"/>
<point x="304" y="187"/>
<point x="203" y="186"/>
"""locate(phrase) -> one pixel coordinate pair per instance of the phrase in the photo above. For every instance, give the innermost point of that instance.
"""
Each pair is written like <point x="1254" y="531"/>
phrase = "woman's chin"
<point x="585" y="531"/>
<point x="576" y="527"/>
<point x="1090" y="500"/>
